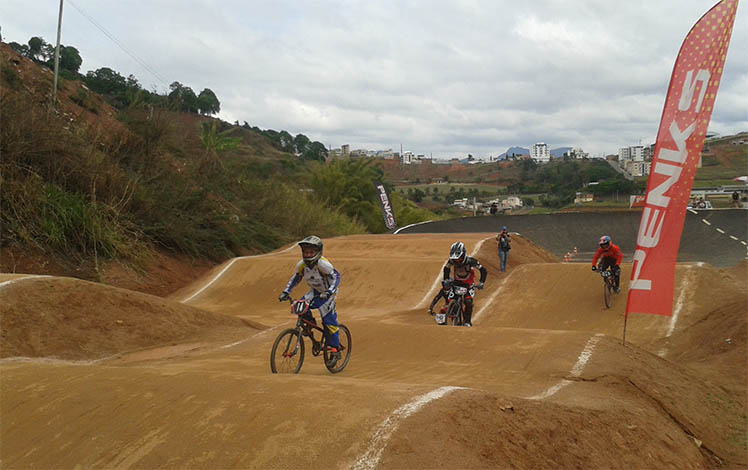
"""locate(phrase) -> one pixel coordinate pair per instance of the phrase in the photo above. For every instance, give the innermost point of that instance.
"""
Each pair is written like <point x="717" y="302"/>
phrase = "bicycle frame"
<point x="300" y="307"/>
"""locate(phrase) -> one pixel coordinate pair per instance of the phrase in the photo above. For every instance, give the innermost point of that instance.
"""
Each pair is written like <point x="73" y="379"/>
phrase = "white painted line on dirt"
<point x="440" y="276"/>
<point x="719" y="230"/>
<point x="576" y="371"/>
<point x="411" y="225"/>
<point x="228" y="266"/>
<point x="734" y="237"/>
<point x="693" y="211"/>
<point x="706" y="221"/>
<point x="370" y="458"/>
<point x="211" y="281"/>
<point x="58" y="362"/>
<point x="685" y="288"/>
<point x="236" y="343"/>
<point x="11" y="281"/>
<point x="744" y="243"/>
<point x="491" y="299"/>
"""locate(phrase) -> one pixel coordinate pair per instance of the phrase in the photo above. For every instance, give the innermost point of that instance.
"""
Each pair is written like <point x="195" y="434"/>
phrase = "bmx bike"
<point x="287" y="355"/>
<point x="455" y="308"/>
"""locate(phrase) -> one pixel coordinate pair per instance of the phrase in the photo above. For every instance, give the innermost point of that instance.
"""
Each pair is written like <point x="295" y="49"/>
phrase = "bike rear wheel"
<point x="344" y="337"/>
<point x="287" y="354"/>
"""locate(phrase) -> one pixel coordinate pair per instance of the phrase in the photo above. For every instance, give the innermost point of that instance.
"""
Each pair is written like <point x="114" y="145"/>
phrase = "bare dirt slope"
<point x="540" y="381"/>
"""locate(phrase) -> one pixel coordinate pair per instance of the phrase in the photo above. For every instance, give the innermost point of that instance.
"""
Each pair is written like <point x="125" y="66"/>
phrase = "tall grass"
<point x="59" y="191"/>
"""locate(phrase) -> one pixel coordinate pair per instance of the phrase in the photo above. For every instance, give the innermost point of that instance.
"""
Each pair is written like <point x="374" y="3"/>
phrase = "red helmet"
<point x="605" y="242"/>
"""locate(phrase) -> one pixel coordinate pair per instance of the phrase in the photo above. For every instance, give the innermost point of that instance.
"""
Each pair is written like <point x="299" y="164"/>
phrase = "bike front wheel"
<point x="344" y="338"/>
<point x="455" y="314"/>
<point x="287" y="354"/>
<point x="608" y="293"/>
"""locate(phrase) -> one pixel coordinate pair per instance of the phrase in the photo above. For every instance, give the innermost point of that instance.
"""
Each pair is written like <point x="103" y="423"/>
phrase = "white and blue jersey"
<point x="321" y="277"/>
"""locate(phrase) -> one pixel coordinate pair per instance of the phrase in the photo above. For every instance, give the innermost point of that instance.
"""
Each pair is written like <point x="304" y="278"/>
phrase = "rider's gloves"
<point x="594" y="268"/>
<point x="325" y="295"/>
<point x="284" y="296"/>
<point x="479" y="286"/>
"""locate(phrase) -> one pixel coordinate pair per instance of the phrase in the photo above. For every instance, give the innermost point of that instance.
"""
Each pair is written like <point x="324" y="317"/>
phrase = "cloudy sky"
<point x="442" y="78"/>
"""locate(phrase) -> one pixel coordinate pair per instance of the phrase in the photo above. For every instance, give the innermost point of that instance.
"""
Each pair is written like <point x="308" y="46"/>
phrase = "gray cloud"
<point x="441" y="77"/>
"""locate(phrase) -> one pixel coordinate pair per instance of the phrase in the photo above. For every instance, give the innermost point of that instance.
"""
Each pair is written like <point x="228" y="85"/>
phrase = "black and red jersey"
<point x="464" y="273"/>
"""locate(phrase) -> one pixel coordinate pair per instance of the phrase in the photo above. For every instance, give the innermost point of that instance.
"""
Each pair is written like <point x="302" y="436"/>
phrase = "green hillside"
<point x="87" y="183"/>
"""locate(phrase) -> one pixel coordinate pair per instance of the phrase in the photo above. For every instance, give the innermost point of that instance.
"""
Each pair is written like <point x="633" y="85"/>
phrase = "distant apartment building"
<point x="636" y="153"/>
<point x="342" y="153"/>
<point x="636" y="168"/>
<point x="540" y="153"/>
<point x="387" y="154"/>
<point x="512" y="202"/>
<point x="581" y="198"/>
<point x="577" y="152"/>
<point x="407" y="158"/>
<point x="624" y="154"/>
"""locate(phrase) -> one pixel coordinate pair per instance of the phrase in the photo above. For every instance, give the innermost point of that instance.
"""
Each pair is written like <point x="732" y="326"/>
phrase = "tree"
<point x="21" y="49"/>
<point x="214" y="141"/>
<point x="301" y="143"/>
<point x="105" y="81"/>
<point x="35" y="49"/>
<point x="286" y="142"/>
<point x="207" y="102"/>
<point x="182" y="98"/>
<point x="70" y="59"/>
<point x="315" y="151"/>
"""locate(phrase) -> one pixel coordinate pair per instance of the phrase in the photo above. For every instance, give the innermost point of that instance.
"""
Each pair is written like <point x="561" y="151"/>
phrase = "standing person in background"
<point x="735" y="199"/>
<point x="505" y="244"/>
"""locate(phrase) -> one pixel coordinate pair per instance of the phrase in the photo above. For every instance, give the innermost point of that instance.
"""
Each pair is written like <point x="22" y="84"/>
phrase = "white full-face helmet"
<point x="315" y="242"/>
<point x="457" y="253"/>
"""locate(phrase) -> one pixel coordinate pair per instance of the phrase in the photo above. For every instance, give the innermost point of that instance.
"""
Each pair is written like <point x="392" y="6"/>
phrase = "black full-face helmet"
<point x="457" y="253"/>
<point x="315" y="242"/>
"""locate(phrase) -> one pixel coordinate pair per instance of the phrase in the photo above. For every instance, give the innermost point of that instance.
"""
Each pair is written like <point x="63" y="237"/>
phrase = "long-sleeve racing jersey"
<point x="321" y="277"/>
<point x="612" y="252"/>
<point x="465" y="273"/>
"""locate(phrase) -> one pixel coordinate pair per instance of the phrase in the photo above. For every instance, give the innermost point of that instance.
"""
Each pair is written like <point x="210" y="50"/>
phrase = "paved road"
<point x="702" y="238"/>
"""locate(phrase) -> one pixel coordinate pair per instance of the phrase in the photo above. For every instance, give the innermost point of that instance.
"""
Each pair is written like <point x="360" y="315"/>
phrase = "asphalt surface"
<point x="706" y="234"/>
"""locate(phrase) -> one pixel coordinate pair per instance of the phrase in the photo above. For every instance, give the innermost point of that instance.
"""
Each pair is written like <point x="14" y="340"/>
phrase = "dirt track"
<point x="540" y="381"/>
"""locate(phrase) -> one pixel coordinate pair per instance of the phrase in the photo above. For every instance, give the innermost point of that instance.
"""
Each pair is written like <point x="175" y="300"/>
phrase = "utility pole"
<point x="57" y="58"/>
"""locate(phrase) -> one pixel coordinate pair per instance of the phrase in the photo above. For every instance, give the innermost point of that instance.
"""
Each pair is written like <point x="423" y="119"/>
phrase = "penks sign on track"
<point x="680" y="138"/>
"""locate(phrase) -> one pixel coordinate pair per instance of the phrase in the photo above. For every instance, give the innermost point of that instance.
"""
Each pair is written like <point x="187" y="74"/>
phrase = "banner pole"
<point x="625" y="320"/>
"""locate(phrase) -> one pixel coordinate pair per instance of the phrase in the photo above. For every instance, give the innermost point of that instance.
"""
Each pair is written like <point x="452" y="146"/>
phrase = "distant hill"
<point x="514" y="151"/>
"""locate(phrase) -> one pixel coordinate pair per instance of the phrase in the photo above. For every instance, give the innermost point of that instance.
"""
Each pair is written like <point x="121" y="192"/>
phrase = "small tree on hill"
<point x="214" y="141"/>
<point x="207" y="102"/>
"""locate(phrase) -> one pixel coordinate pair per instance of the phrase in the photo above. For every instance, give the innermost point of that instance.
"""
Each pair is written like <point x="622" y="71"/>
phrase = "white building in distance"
<point x="540" y="153"/>
<point x="577" y="152"/>
<point x="636" y="153"/>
